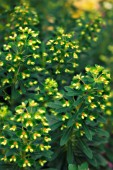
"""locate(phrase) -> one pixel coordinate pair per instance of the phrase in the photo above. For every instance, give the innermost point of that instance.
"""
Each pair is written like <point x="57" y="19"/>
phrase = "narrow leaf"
<point x="85" y="148"/>
<point x="65" y="137"/>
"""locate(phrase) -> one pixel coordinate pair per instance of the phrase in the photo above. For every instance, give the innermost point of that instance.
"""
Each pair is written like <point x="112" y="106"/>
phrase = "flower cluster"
<point x="17" y="60"/>
<point x="88" y="32"/>
<point x="62" y="55"/>
<point x="22" y="16"/>
<point x="4" y="111"/>
<point x="26" y="135"/>
<point x="84" y="101"/>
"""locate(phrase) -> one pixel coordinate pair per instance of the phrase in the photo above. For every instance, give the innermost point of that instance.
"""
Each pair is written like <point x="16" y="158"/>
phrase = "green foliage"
<point x="84" y="166"/>
<point x="80" y="112"/>
<point x="24" y="139"/>
<point x="52" y="106"/>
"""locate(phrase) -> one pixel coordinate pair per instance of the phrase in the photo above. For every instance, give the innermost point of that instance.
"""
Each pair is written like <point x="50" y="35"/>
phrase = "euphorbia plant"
<point x="51" y="115"/>
<point x="25" y="137"/>
<point x="77" y="117"/>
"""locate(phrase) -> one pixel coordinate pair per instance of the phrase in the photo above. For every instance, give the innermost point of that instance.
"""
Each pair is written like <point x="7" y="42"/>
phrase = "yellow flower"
<point x="66" y="104"/>
<point x="91" y="117"/>
<point x="108" y="112"/>
<point x="4" y="158"/>
<point x="47" y="147"/>
<point x="1" y="63"/>
<point x="19" y="111"/>
<point x="29" y="123"/>
<point x="41" y="147"/>
<point x="106" y="82"/>
<point x="7" y="47"/>
<point x="14" y="145"/>
<point x="23" y="135"/>
<point x="93" y="105"/>
<point x="5" y="81"/>
<point x="102" y="78"/>
<point x="108" y="104"/>
<point x="63" y="127"/>
<point x="102" y="106"/>
<point x="64" y="117"/>
<point x="37" y="116"/>
<point x="20" y="43"/>
<point x="13" y="158"/>
<point x="27" y="115"/>
<point x="75" y="55"/>
<point x="83" y="115"/>
<point x="46" y="130"/>
<point x="4" y="142"/>
<point x="90" y="98"/>
<point x="82" y="133"/>
<point x="13" y="128"/>
<point x="33" y="103"/>
<point x="105" y="97"/>
<point x="52" y="48"/>
<point x="87" y="5"/>
<point x="35" y="135"/>
<point x="5" y="126"/>
<point x="29" y="149"/>
<point x="42" y="162"/>
<point x="76" y="85"/>
<point x="78" y="125"/>
<point x="20" y="119"/>
<point x="17" y="58"/>
<point x="26" y="163"/>
<point x="11" y="69"/>
<point x="87" y="69"/>
<point x="41" y="111"/>
<point x="87" y="87"/>
<point x="47" y="139"/>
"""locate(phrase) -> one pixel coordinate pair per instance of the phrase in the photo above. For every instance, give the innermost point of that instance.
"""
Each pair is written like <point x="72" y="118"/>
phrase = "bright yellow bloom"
<point x="29" y="149"/>
<point x="14" y="145"/>
<point x="13" y="158"/>
<point x="87" y="5"/>
<point x="26" y="163"/>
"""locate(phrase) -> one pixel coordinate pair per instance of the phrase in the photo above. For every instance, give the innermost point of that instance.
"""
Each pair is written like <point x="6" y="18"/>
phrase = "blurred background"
<point x="92" y="24"/>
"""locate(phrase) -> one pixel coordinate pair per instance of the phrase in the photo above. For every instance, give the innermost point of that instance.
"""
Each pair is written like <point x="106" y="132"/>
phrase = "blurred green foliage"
<point x="92" y="38"/>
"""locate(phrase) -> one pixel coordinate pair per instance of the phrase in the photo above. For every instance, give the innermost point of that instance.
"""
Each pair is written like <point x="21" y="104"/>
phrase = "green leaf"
<point x="71" y="92"/>
<point x="78" y="101"/>
<point x="10" y="152"/>
<point x="65" y="137"/>
<point x="80" y="110"/>
<point x="102" y="161"/>
<point x="23" y="89"/>
<point x="72" y="167"/>
<point x="15" y="94"/>
<point x="70" y="122"/>
<point x="88" y="132"/>
<point x="52" y="119"/>
<point x="101" y="119"/>
<point x="98" y="142"/>
<point x="14" y="47"/>
<point x="55" y="105"/>
<point x="56" y="125"/>
<point x="84" y="166"/>
<point x="63" y="110"/>
<point x="85" y="148"/>
<point x="102" y="132"/>
<point x="70" y="156"/>
<point x="67" y="88"/>
<point x="93" y="162"/>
